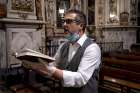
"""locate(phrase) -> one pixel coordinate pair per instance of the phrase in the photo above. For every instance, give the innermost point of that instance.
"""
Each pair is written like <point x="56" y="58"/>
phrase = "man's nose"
<point x="64" y="24"/>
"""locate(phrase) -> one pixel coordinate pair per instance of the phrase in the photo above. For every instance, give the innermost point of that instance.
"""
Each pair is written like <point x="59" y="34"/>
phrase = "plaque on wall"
<point x="24" y="9"/>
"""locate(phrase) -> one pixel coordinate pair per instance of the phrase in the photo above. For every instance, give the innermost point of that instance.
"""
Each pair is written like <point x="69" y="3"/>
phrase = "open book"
<point x="31" y="55"/>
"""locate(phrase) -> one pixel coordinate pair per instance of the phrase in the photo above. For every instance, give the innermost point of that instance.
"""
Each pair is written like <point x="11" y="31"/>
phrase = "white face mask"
<point x="73" y="37"/>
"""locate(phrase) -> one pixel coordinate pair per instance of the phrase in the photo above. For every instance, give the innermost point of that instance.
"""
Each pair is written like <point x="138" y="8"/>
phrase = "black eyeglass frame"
<point x="69" y="21"/>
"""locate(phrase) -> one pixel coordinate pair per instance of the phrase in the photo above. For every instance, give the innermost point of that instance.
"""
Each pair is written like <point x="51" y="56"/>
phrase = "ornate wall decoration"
<point x="75" y="4"/>
<point x="112" y="12"/>
<point x="24" y="40"/>
<point x="91" y="12"/>
<point x="38" y="9"/>
<point x="22" y="5"/>
<point x="2" y="8"/>
<point x="61" y="7"/>
<point x="100" y="12"/>
<point x="2" y="49"/>
<point x="124" y="18"/>
<point x="21" y="9"/>
<point x="50" y="12"/>
<point x="133" y="12"/>
<point x="20" y="38"/>
<point x="19" y="41"/>
<point x="113" y="18"/>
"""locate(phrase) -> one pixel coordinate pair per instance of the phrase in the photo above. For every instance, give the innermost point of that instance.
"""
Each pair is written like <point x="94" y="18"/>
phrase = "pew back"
<point x="122" y="69"/>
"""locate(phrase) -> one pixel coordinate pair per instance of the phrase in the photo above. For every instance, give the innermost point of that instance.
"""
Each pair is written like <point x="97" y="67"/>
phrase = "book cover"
<point x="31" y="55"/>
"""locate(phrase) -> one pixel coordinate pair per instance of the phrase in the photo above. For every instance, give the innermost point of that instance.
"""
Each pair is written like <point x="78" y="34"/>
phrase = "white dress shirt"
<point x="89" y="62"/>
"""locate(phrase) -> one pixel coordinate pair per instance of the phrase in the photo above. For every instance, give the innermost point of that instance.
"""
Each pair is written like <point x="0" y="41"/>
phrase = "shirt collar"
<point x="82" y="39"/>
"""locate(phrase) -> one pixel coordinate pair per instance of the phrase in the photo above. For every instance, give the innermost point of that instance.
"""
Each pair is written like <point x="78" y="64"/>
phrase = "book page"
<point x="32" y="55"/>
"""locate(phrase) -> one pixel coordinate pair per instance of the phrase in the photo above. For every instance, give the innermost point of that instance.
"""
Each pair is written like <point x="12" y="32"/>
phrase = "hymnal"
<point x="33" y="56"/>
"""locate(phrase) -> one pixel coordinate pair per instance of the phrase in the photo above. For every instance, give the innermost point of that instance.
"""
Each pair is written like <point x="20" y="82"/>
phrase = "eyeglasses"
<point x="69" y="21"/>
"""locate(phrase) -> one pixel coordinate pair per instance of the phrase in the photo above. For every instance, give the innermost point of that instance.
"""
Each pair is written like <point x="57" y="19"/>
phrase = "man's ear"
<point x="81" y="26"/>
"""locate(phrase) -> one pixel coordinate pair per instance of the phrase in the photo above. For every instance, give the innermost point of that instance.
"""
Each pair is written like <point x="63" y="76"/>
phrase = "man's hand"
<point x="36" y="66"/>
<point x="42" y="67"/>
<point x="32" y="65"/>
<point x="50" y="68"/>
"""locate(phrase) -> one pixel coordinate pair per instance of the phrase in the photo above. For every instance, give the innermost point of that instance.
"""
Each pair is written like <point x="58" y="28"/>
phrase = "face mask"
<point x="73" y="37"/>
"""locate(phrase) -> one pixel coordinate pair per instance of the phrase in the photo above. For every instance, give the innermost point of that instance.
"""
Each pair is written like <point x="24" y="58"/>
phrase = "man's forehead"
<point x="70" y="15"/>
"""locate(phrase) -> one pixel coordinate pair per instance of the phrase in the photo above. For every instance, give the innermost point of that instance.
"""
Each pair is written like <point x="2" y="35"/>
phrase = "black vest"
<point x="91" y="86"/>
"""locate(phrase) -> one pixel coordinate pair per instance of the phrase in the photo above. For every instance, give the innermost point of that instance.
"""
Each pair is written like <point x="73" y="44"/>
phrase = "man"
<point x="78" y="59"/>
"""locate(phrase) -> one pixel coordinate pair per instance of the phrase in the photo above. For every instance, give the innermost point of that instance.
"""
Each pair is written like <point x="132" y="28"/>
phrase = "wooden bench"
<point x="123" y="64"/>
<point x="135" y="53"/>
<point x="128" y="56"/>
<point x="122" y="82"/>
<point x="21" y="88"/>
<point x="119" y="73"/>
<point x="17" y="87"/>
<point x="115" y="85"/>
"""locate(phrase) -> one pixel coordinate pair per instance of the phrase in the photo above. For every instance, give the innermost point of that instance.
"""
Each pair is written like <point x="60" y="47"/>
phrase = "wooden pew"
<point x="135" y="53"/>
<point x="122" y="72"/>
<point x="129" y="56"/>
<point x="122" y="82"/>
<point x="123" y="64"/>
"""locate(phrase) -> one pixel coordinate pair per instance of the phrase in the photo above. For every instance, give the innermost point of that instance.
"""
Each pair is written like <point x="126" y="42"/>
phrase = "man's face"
<point x="70" y="23"/>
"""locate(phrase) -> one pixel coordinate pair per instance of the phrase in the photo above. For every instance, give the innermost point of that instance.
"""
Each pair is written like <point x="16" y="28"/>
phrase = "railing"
<point x="111" y="46"/>
<point x="52" y="46"/>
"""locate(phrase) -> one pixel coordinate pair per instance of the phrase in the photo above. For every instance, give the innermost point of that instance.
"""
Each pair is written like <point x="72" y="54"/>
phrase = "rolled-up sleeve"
<point x="89" y="62"/>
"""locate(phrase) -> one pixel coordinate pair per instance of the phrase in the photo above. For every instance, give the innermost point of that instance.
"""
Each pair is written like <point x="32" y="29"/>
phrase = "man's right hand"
<point x="50" y="68"/>
<point x="32" y="65"/>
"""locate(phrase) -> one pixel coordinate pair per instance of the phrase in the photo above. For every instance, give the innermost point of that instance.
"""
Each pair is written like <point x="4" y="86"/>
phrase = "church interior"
<point x="37" y="25"/>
